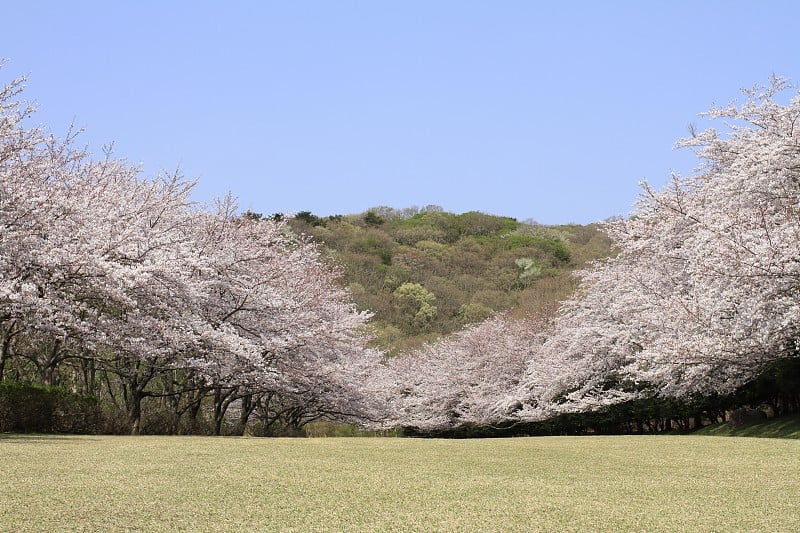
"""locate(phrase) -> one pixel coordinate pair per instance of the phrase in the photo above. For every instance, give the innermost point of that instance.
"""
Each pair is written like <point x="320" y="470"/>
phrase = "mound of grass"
<point x="787" y="427"/>
<point x="381" y="484"/>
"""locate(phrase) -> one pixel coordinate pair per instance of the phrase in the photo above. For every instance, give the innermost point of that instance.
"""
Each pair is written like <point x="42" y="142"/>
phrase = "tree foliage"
<point x="118" y="286"/>
<point x="472" y="264"/>
<point x="119" y="295"/>
<point x="696" y="313"/>
<point x="703" y="295"/>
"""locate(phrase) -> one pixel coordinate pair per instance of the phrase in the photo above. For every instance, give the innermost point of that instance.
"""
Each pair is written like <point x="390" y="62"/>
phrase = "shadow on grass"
<point x="33" y="437"/>
<point x="777" y="428"/>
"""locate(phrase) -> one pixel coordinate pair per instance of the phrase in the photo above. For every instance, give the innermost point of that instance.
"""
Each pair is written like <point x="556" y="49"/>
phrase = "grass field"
<point x="668" y="483"/>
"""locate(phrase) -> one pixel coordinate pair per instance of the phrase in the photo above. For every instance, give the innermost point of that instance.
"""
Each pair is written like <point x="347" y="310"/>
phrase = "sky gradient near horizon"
<point x="551" y="111"/>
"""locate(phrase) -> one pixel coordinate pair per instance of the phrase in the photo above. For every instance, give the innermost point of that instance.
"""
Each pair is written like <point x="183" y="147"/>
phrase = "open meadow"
<point x="101" y="483"/>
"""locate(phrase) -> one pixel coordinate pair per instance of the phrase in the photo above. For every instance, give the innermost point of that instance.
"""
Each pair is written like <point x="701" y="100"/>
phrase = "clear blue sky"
<point x="544" y="110"/>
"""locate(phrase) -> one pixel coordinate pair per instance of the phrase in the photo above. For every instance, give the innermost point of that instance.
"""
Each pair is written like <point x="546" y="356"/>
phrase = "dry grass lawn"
<point x="59" y="483"/>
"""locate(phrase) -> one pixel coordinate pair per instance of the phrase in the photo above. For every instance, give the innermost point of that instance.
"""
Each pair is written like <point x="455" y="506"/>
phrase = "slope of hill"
<point x="426" y="272"/>
<point x="786" y="427"/>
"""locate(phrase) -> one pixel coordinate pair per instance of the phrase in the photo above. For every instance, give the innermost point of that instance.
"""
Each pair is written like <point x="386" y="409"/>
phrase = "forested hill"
<point x="426" y="272"/>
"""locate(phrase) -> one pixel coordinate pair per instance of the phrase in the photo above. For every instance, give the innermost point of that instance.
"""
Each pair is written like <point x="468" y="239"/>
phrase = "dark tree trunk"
<point x="8" y="334"/>
<point x="89" y="372"/>
<point x="4" y="356"/>
<point x="135" y="376"/>
<point x="135" y="412"/>
<point x="222" y="400"/>
<point x="49" y="366"/>
<point x="248" y="406"/>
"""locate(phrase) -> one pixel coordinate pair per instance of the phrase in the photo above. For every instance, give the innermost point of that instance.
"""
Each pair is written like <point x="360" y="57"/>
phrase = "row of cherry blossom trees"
<point x="705" y="291"/>
<point x="702" y="297"/>
<point x="118" y="286"/>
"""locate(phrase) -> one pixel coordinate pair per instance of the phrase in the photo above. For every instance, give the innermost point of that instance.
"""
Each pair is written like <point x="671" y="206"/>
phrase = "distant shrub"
<point x="473" y="312"/>
<point x="512" y="242"/>
<point x="39" y="409"/>
<point x="412" y="235"/>
<point x="744" y="416"/>
<point x="558" y="249"/>
<point x="371" y="218"/>
<point x="309" y="218"/>
<point x="477" y="223"/>
<point x="435" y="249"/>
<point x="436" y="226"/>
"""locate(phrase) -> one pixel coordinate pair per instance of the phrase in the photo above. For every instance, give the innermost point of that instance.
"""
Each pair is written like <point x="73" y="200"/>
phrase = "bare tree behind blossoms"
<point x="704" y="291"/>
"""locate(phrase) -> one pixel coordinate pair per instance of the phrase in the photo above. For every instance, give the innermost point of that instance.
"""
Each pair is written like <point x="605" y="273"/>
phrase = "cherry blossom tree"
<point x="102" y="270"/>
<point x="465" y="378"/>
<point x="275" y="318"/>
<point x="94" y="261"/>
<point x="703" y="292"/>
<point x="723" y="245"/>
<point x="39" y="269"/>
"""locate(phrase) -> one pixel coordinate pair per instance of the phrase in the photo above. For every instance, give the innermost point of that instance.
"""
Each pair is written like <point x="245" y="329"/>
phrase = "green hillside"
<point x="785" y="427"/>
<point x="426" y="272"/>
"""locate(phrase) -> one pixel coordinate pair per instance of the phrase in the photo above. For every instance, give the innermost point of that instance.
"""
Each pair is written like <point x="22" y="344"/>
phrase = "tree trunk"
<point x="248" y="406"/>
<point x="4" y="356"/>
<point x="222" y="400"/>
<point x="49" y="366"/>
<point x="135" y="378"/>
<point x="5" y="346"/>
<point x="135" y="412"/>
<point x="89" y="373"/>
